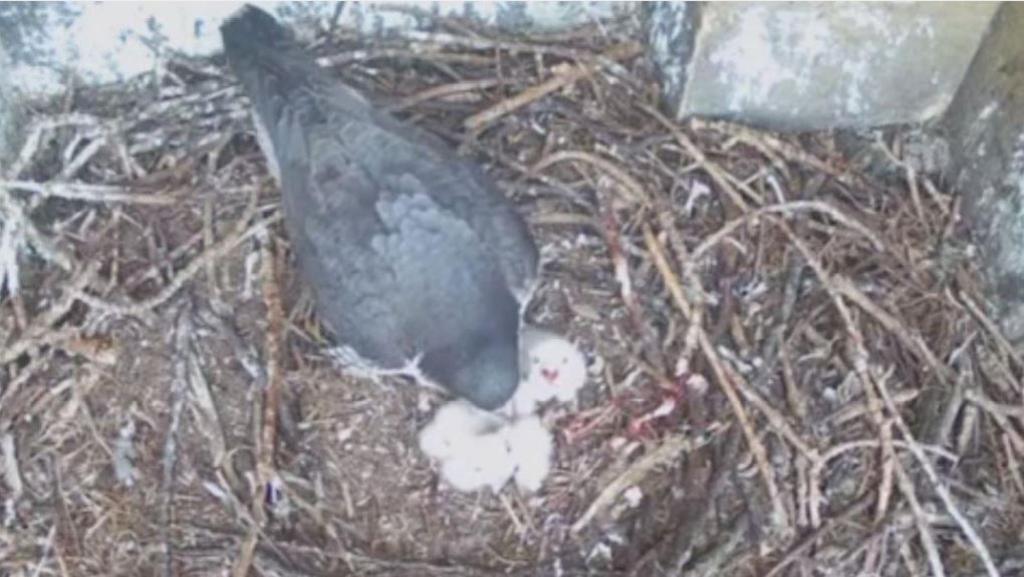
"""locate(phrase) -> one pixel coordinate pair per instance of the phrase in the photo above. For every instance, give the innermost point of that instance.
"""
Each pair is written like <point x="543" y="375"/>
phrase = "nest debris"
<point x="792" y="370"/>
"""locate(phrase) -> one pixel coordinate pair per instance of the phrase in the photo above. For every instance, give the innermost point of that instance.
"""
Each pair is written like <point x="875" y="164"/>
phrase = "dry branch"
<point x="561" y="79"/>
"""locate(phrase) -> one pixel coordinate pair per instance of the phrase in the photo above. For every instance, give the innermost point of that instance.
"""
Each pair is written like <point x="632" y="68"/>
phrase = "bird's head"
<point x="555" y="362"/>
<point x="485" y="371"/>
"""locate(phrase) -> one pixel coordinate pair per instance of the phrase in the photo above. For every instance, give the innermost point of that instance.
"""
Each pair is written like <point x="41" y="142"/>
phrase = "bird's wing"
<point x="407" y="245"/>
<point x="397" y="272"/>
<point x="460" y="186"/>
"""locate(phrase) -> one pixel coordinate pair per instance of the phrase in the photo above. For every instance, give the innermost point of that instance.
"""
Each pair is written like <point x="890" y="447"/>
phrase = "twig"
<point x="47" y="548"/>
<point x="11" y="467"/>
<point x="837" y="450"/>
<point x="940" y="487"/>
<point x="267" y="407"/>
<point x="35" y="136"/>
<point x="183" y="349"/>
<point x="667" y="452"/>
<point x="14" y="215"/>
<point x="72" y="168"/>
<point x="912" y="341"/>
<point x="759" y="139"/>
<point x="807" y="542"/>
<point x="620" y="266"/>
<point x="481" y="119"/>
<point x="717" y="174"/>
<point x="88" y="192"/>
<point x="208" y="419"/>
<point x="414" y="51"/>
<point x="480" y="43"/>
<point x="447" y="90"/>
<point x="41" y="332"/>
<point x="723" y="376"/>
<point x="840" y="287"/>
<point x="856" y="410"/>
<point x="860" y="368"/>
<point x="223" y="247"/>
<point x="246" y="554"/>
<point x="993" y="407"/>
<point x="992" y="329"/>
<point x="635" y="192"/>
<point x="272" y="347"/>
<point x="784" y="208"/>
<point x="208" y="241"/>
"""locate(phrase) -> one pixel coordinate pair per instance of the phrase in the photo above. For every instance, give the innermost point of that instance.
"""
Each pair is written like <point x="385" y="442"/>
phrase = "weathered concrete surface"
<point x="106" y="42"/>
<point x="49" y="43"/>
<point x="805" y="66"/>
<point x="671" y="39"/>
<point x="11" y="117"/>
<point x="985" y="126"/>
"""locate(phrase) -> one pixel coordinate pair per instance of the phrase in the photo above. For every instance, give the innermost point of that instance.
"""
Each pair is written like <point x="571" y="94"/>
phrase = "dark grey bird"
<point x="419" y="265"/>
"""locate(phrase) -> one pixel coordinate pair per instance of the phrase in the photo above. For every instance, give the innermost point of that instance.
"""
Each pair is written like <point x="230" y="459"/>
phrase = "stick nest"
<point x="792" y="370"/>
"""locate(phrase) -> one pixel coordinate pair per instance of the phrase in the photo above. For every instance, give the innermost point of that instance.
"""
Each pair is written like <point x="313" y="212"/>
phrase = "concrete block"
<point x="815" y="65"/>
<point x="101" y="42"/>
<point x="985" y="129"/>
<point x="11" y="116"/>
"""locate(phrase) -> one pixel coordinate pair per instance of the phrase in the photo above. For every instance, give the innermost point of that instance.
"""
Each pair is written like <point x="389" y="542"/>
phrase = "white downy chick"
<point x="484" y="462"/>
<point x="551" y="367"/>
<point x="530" y="446"/>
<point x="455" y="428"/>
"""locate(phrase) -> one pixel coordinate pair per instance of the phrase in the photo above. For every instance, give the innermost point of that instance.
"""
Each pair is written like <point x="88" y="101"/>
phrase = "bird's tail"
<point x="258" y="48"/>
<point x="265" y="56"/>
<point x="251" y="28"/>
<point x="282" y="79"/>
<point x="275" y="72"/>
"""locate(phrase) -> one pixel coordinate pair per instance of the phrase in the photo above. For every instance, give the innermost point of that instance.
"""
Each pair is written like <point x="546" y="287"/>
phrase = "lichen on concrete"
<point x="985" y="126"/>
<point x="671" y="34"/>
<point x="810" y="65"/>
<point x="11" y="117"/>
<point x="103" y="42"/>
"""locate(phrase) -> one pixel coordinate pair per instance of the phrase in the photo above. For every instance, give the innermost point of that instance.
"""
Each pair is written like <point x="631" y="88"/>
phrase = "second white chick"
<point x="455" y="430"/>
<point x="484" y="462"/>
<point x="530" y="447"/>
<point x="552" y="368"/>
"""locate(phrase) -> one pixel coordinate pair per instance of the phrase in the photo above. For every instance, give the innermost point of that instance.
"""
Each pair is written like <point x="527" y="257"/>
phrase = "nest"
<point x="792" y="370"/>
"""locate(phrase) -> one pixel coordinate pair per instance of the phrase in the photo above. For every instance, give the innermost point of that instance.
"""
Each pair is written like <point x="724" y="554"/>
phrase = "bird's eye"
<point x="535" y="360"/>
<point x="565" y="360"/>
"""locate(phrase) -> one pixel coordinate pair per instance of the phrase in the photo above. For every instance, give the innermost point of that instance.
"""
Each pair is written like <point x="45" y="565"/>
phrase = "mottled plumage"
<point x="411" y="251"/>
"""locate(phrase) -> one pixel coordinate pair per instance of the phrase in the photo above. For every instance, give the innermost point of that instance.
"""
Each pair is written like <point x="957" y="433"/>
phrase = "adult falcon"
<point x="418" y="264"/>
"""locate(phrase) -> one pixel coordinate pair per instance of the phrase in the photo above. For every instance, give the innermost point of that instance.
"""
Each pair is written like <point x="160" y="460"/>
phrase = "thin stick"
<point x="88" y="192"/>
<point x="717" y="173"/>
<point x="223" y="247"/>
<point x="14" y="215"/>
<point x="667" y="452"/>
<point x="178" y="394"/>
<point x="836" y="289"/>
<point x="414" y="51"/>
<point x="636" y="192"/>
<point x="40" y="332"/>
<point x="272" y="349"/>
<point x="912" y="341"/>
<point x="481" y="119"/>
<point x="784" y="208"/>
<point x="940" y="487"/>
<point x="447" y="90"/>
<point x="753" y="137"/>
<point x="35" y="136"/>
<point x="79" y="161"/>
<point x="722" y="374"/>
<point x="992" y="329"/>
